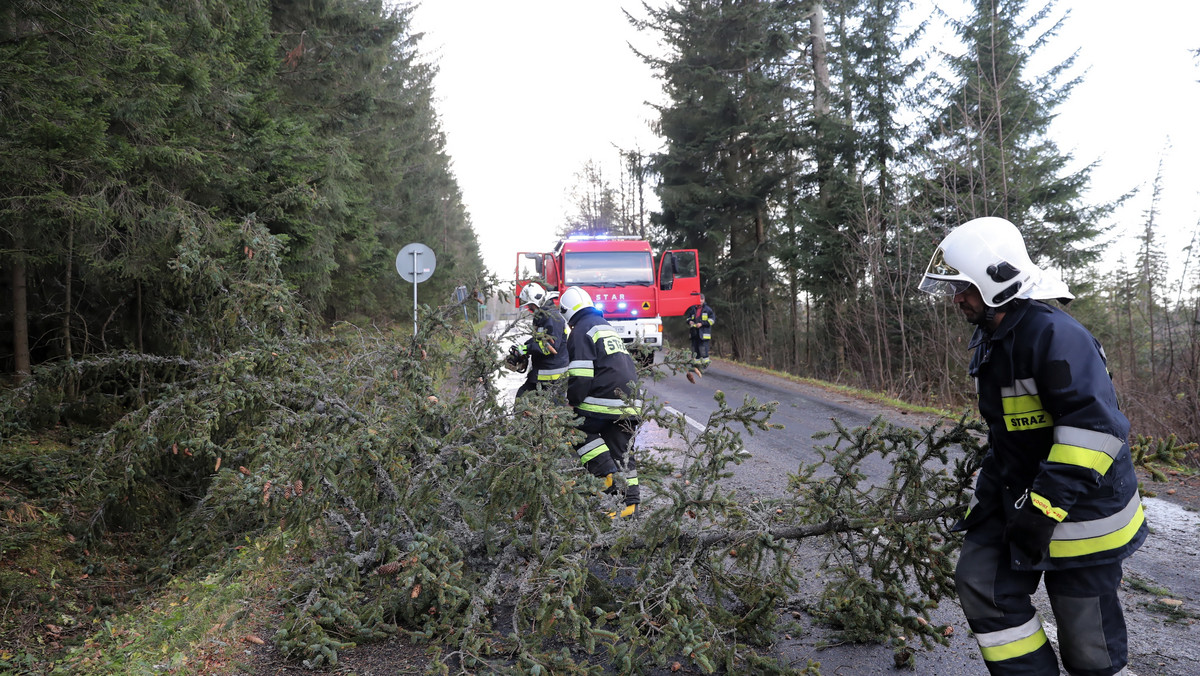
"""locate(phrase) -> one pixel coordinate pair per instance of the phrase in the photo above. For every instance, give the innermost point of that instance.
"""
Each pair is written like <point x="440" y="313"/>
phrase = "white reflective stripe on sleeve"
<point x="612" y="403"/>
<point x="974" y="501"/>
<point x="600" y="328"/>
<point x="1082" y="530"/>
<point x="1090" y="439"/>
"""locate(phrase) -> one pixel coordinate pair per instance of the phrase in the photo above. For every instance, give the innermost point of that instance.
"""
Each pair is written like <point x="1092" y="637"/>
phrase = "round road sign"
<point x="416" y="263"/>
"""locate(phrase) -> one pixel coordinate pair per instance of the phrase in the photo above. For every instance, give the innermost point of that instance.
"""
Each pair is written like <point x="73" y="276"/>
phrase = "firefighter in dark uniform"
<point x="547" y="347"/>
<point x="1057" y="495"/>
<point x="700" y="319"/>
<point x="600" y="374"/>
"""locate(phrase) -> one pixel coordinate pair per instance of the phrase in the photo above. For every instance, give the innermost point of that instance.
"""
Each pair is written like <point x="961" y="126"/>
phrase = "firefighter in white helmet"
<point x="600" y="378"/>
<point x="1057" y="493"/>
<point x="547" y="346"/>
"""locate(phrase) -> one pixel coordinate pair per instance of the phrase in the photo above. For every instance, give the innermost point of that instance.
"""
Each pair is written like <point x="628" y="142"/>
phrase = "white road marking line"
<point x="687" y="418"/>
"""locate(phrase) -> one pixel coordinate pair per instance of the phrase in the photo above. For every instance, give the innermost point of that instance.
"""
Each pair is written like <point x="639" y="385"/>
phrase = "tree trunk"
<point x="820" y="63"/>
<point x="20" y="323"/>
<point x="764" y="278"/>
<point x="821" y="85"/>
<point x="68" y="349"/>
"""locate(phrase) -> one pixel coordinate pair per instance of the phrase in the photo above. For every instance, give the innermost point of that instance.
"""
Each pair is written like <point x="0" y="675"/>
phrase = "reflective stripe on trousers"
<point x="996" y="601"/>
<point x="607" y="448"/>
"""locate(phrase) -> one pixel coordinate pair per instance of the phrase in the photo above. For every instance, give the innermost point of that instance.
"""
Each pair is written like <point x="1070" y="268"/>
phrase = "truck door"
<point x="678" y="281"/>
<point x="535" y="267"/>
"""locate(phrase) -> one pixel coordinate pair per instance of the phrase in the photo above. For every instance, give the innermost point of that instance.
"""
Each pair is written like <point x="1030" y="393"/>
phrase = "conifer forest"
<point x="220" y="426"/>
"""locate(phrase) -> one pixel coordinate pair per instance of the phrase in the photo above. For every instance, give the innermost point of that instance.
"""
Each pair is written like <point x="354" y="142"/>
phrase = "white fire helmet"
<point x="990" y="253"/>
<point x="533" y="294"/>
<point x="573" y="300"/>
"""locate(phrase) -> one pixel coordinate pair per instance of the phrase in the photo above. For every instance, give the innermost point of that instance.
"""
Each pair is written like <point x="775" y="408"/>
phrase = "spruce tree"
<point x="990" y="147"/>
<point x="728" y="77"/>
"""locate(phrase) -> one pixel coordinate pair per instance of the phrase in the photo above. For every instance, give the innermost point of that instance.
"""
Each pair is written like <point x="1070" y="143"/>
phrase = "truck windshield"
<point x="608" y="268"/>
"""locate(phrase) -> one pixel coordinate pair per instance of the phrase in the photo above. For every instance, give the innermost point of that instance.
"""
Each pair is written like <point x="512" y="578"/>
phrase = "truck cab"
<point x="632" y="287"/>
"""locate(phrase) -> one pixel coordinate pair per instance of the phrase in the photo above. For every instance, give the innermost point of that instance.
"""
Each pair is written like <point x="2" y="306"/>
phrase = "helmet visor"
<point x="935" y="281"/>
<point x="938" y="265"/>
<point x="943" y="287"/>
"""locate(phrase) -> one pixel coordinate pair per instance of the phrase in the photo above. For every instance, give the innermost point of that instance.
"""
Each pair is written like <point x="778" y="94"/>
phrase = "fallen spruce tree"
<point x="414" y="501"/>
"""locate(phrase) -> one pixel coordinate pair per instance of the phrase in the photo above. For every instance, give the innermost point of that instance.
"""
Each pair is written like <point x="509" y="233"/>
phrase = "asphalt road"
<point x="1162" y="642"/>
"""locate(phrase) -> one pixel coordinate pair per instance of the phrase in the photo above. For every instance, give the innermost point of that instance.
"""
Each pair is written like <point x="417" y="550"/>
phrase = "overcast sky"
<point x="530" y="90"/>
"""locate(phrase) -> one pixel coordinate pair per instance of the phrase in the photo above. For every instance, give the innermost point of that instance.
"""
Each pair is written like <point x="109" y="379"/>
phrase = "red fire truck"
<point x="633" y="288"/>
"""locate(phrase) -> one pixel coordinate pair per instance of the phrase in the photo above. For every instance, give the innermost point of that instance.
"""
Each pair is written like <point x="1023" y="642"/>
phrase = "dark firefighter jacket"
<point x="1055" y="430"/>
<point x="703" y="315"/>
<point x="549" y="331"/>
<point x="601" y="370"/>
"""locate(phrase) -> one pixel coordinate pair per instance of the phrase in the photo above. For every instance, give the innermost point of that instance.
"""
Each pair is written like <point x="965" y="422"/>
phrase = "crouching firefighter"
<point x="600" y="373"/>
<point x="1057" y="495"/>
<point x="547" y="346"/>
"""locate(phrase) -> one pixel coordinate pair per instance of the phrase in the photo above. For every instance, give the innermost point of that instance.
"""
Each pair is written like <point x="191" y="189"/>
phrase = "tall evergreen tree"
<point x="990" y="145"/>
<point x="125" y="120"/>
<point x="728" y="76"/>
<point x="379" y="174"/>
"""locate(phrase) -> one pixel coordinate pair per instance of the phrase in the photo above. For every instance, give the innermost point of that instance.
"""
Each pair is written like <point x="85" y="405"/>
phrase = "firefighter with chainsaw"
<point x="1057" y="496"/>
<point x="599" y="378"/>
<point x="700" y="319"/>
<point x="545" y="353"/>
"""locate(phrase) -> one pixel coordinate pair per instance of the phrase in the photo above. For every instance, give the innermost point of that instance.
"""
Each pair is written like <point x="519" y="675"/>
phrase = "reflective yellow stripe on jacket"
<point x="582" y="368"/>
<point x="611" y="406"/>
<point x="1023" y="408"/>
<point x="1080" y="538"/>
<point x="552" y="374"/>
<point x="1086" y="448"/>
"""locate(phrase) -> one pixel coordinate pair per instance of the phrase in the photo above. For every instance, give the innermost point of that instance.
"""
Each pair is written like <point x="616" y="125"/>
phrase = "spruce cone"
<point x="389" y="568"/>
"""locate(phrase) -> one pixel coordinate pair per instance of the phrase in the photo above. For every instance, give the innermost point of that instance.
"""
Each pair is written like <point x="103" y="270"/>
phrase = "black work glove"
<point x="1029" y="530"/>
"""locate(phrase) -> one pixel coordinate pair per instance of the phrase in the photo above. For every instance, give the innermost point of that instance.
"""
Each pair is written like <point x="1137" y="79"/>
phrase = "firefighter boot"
<point x="614" y="484"/>
<point x="629" y="511"/>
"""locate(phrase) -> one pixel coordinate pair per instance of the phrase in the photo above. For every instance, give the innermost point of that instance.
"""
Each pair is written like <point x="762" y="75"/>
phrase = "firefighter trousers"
<point x="606" y="450"/>
<point x="700" y="348"/>
<point x="996" y="600"/>
<point x="534" y="384"/>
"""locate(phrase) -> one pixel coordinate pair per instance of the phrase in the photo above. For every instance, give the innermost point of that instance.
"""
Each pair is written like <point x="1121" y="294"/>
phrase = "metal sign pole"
<point x="414" y="253"/>
<point x="416" y="272"/>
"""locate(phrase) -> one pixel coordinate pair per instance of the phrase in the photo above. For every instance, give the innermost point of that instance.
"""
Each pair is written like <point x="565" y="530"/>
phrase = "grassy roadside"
<point x="857" y="393"/>
<point x="74" y="603"/>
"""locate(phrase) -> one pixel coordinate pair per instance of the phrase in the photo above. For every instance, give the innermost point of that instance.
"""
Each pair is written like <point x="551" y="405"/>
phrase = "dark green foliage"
<point x="144" y="139"/>
<point x="407" y="499"/>
<point x="1168" y="452"/>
